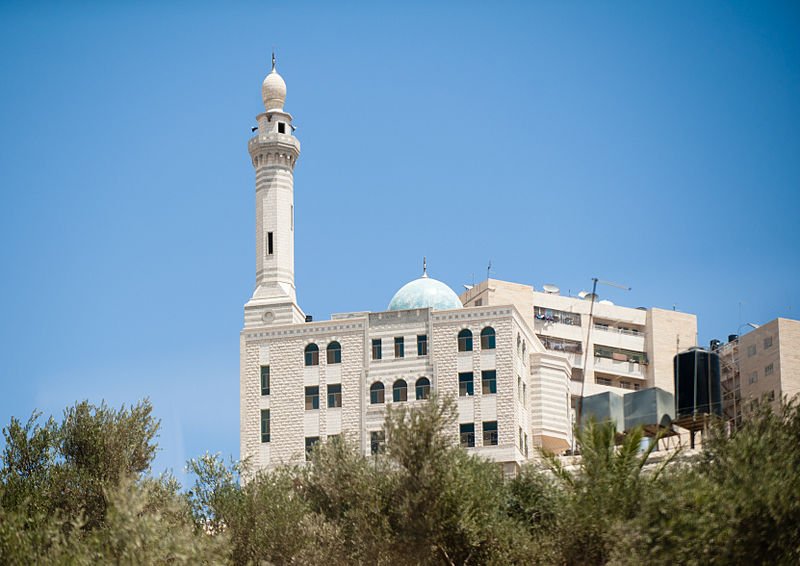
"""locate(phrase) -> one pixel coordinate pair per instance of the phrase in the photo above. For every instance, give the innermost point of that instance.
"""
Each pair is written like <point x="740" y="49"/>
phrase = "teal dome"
<point x="425" y="293"/>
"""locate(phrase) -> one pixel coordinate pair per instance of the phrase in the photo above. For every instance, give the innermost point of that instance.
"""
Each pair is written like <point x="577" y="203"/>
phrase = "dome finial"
<point x="424" y="266"/>
<point x="273" y="89"/>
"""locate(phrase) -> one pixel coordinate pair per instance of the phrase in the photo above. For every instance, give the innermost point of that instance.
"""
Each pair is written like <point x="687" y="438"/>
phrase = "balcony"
<point x="623" y="338"/>
<point x="558" y="329"/>
<point x="626" y="331"/>
<point x="618" y="367"/>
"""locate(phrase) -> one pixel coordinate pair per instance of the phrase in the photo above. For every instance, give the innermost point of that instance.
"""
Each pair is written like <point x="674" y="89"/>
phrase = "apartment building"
<point x="761" y="366"/>
<point x="621" y="349"/>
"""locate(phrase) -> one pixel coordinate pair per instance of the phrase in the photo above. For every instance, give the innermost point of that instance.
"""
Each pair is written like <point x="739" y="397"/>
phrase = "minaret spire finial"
<point x="273" y="60"/>
<point x="424" y="266"/>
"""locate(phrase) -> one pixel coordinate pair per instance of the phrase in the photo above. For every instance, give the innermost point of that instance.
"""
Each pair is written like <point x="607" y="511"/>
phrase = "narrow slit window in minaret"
<point x="281" y="128"/>
<point x="269" y="243"/>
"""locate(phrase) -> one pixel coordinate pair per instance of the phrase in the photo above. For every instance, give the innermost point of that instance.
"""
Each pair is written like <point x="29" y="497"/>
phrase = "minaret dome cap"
<point x="273" y="90"/>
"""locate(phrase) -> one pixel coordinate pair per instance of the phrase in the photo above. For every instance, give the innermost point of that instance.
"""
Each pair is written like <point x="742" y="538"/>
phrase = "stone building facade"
<point x="761" y="366"/>
<point x="304" y="382"/>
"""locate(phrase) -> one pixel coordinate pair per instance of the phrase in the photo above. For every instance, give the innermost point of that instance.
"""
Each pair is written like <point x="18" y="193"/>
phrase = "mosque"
<point x="303" y="382"/>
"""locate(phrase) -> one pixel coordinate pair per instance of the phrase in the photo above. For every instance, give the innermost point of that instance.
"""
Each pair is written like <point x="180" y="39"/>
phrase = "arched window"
<point x="487" y="338"/>
<point x="399" y="391"/>
<point x="312" y="355"/>
<point x="465" y="340"/>
<point x="423" y="388"/>
<point x="334" y="353"/>
<point x="376" y="393"/>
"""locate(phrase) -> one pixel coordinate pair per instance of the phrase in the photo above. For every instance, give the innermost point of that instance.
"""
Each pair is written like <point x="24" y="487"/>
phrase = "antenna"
<point x="424" y="266"/>
<point x="488" y="269"/>
<point x="611" y="284"/>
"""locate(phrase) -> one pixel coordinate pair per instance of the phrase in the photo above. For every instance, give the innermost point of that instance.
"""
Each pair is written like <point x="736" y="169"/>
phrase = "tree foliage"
<point x="78" y="492"/>
<point x="75" y="492"/>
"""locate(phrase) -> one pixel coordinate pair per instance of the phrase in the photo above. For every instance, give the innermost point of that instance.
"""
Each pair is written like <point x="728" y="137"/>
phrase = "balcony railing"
<point x="576" y="359"/>
<point x="626" y="331"/>
<point x="615" y="366"/>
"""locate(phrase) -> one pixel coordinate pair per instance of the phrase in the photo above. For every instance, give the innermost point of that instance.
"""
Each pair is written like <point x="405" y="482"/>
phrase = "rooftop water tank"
<point x="697" y="383"/>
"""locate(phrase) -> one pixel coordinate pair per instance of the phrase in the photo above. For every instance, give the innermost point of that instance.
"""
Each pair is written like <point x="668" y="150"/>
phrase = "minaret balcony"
<point x="273" y="139"/>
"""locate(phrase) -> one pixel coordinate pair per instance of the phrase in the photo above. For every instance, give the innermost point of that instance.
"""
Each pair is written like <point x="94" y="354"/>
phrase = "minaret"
<point x="274" y="152"/>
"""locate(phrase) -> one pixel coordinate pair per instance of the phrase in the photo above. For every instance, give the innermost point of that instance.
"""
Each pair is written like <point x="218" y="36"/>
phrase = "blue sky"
<point x="653" y="144"/>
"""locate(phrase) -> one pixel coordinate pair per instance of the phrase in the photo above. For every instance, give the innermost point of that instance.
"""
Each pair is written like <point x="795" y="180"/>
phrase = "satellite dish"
<point x="605" y="302"/>
<point x="550" y="289"/>
<point x="582" y="294"/>
<point x="590" y="297"/>
<point x="467" y="287"/>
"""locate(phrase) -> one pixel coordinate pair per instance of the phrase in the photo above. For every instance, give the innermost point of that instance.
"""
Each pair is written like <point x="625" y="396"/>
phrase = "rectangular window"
<point x="524" y="393"/>
<point x="312" y="398"/>
<point x="526" y="444"/>
<point x="490" y="433"/>
<point x="265" y="380"/>
<point x="377" y="352"/>
<point x="269" y="243"/>
<point x="751" y="350"/>
<point x="334" y="396"/>
<point x="753" y="377"/>
<point x="422" y="345"/>
<point x="399" y="347"/>
<point x="770" y="396"/>
<point x="311" y="442"/>
<point x="377" y="441"/>
<point x="465" y="386"/>
<point x="467" y="434"/>
<point x="479" y="302"/>
<point x="264" y="425"/>
<point x="281" y="128"/>
<point x="602" y="381"/>
<point x="769" y="369"/>
<point x="520" y="439"/>
<point x="768" y="342"/>
<point x="489" y="382"/>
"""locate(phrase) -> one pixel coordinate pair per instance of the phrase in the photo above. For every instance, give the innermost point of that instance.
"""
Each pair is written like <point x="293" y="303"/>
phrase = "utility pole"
<point x="595" y="281"/>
